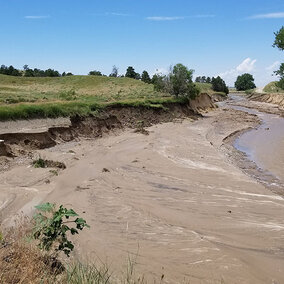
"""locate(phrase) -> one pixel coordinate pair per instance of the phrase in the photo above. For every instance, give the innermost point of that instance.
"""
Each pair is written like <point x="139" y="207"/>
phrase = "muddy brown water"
<point x="263" y="145"/>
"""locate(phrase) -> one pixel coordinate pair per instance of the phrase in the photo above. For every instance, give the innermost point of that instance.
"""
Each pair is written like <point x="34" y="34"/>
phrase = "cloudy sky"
<point x="225" y="38"/>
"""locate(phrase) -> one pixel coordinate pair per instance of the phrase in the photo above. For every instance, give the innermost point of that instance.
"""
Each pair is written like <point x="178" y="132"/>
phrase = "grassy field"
<point x="272" y="88"/>
<point x="23" y="98"/>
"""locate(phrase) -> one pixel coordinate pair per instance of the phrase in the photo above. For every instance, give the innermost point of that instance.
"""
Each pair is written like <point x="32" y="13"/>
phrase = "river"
<point x="263" y="145"/>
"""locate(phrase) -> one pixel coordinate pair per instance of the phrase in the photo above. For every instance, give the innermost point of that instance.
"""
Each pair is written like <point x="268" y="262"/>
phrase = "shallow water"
<point x="265" y="144"/>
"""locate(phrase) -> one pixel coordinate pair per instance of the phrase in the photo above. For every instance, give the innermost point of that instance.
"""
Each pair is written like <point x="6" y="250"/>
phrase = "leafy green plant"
<point x="39" y="163"/>
<point x="52" y="227"/>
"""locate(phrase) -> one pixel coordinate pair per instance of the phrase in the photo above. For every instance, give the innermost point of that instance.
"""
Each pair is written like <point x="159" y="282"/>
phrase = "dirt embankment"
<point x="15" y="144"/>
<point x="276" y="98"/>
<point x="18" y="143"/>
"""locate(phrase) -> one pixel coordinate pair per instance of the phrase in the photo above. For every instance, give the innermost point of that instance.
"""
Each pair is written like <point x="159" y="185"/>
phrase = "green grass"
<point x="26" y="98"/>
<point x="205" y="88"/>
<point x="272" y="88"/>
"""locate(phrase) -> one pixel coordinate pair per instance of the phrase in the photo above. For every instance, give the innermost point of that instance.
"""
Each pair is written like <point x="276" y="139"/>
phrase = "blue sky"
<point x="224" y="38"/>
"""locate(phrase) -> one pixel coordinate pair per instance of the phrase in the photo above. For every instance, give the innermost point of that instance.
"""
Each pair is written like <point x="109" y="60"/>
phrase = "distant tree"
<point x="208" y="80"/>
<point x="145" y="77"/>
<point x="51" y="73"/>
<point x="245" y="82"/>
<point x="95" y="73"/>
<point x="69" y="74"/>
<point x="26" y="67"/>
<point x="180" y="77"/>
<point x="219" y="85"/>
<point x="198" y="79"/>
<point x="114" y="72"/>
<point x="63" y="74"/>
<point x="130" y="73"/>
<point x="178" y="82"/>
<point x="158" y="81"/>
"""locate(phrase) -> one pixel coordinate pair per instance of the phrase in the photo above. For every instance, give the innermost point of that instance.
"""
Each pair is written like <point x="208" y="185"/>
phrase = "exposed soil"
<point x="174" y="200"/>
<point x="277" y="99"/>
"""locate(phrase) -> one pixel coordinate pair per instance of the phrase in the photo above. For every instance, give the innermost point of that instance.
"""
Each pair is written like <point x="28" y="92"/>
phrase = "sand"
<point x="172" y="200"/>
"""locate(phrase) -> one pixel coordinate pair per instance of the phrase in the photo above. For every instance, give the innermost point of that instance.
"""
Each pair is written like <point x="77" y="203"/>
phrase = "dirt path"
<point x="171" y="199"/>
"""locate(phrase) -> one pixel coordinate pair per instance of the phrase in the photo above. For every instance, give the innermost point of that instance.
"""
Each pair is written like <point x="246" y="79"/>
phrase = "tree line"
<point x="28" y="72"/>
<point x="178" y="82"/>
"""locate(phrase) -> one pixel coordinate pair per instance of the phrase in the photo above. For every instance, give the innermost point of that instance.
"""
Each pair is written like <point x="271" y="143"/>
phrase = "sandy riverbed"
<point x="172" y="200"/>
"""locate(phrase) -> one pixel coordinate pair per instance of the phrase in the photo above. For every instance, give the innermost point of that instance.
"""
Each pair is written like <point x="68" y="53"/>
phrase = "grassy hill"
<point x="22" y="97"/>
<point x="272" y="88"/>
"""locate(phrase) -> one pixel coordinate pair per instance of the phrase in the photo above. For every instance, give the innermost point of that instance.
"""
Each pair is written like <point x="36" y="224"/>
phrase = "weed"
<point x="51" y="227"/>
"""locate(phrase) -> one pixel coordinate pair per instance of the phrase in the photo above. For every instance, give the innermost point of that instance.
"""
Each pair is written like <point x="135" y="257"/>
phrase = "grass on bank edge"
<point x="66" y="109"/>
<point x="273" y="88"/>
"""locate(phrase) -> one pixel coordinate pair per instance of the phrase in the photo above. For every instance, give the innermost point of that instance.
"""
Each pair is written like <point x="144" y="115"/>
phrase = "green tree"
<point x="279" y="43"/>
<point x="219" y="85"/>
<point x="95" y="73"/>
<point x="179" y="78"/>
<point x="145" y="77"/>
<point x="158" y="81"/>
<point x="245" y="82"/>
<point x="130" y="73"/>
<point x="279" y="39"/>
<point x="178" y="82"/>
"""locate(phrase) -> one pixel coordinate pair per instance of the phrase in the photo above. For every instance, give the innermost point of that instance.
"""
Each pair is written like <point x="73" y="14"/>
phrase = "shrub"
<point x="52" y="227"/>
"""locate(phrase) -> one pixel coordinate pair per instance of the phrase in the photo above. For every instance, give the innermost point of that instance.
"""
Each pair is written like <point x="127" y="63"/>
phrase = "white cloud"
<point x="116" y="14"/>
<point x="36" y="17"/>
<point x="164" y="18"/>
<point x="160" y="71"/>
<point x="203" y="16"/>
<point x="230" y="76"/>
<point x="246" y="66"/>
<point x="263" y="75"/>
<point x="278" y="15"/>
<point x="273" y="66"/>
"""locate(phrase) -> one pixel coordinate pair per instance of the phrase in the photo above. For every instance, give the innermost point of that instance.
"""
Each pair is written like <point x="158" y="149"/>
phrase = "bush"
<point x="51" y="227"/>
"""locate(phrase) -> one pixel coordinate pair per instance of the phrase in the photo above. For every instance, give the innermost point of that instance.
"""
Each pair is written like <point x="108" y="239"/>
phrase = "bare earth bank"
<point x="171" y="199"/>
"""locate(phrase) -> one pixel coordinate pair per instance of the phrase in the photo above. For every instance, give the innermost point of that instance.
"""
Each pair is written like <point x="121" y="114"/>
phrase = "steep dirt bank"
<point x="20" y="143"/>
<point x="276" y="98"/>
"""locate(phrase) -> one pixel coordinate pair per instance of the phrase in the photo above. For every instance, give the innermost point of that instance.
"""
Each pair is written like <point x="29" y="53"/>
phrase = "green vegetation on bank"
<point x="272" y="87"/>
<point x="42" y="97"/>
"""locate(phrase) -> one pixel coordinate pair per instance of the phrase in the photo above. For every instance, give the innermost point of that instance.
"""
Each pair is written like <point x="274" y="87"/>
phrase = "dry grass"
<point x="21" y="262"/>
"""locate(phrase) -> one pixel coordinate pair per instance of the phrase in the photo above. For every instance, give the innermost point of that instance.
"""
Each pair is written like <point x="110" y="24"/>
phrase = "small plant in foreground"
<point x="52" y="227"/>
